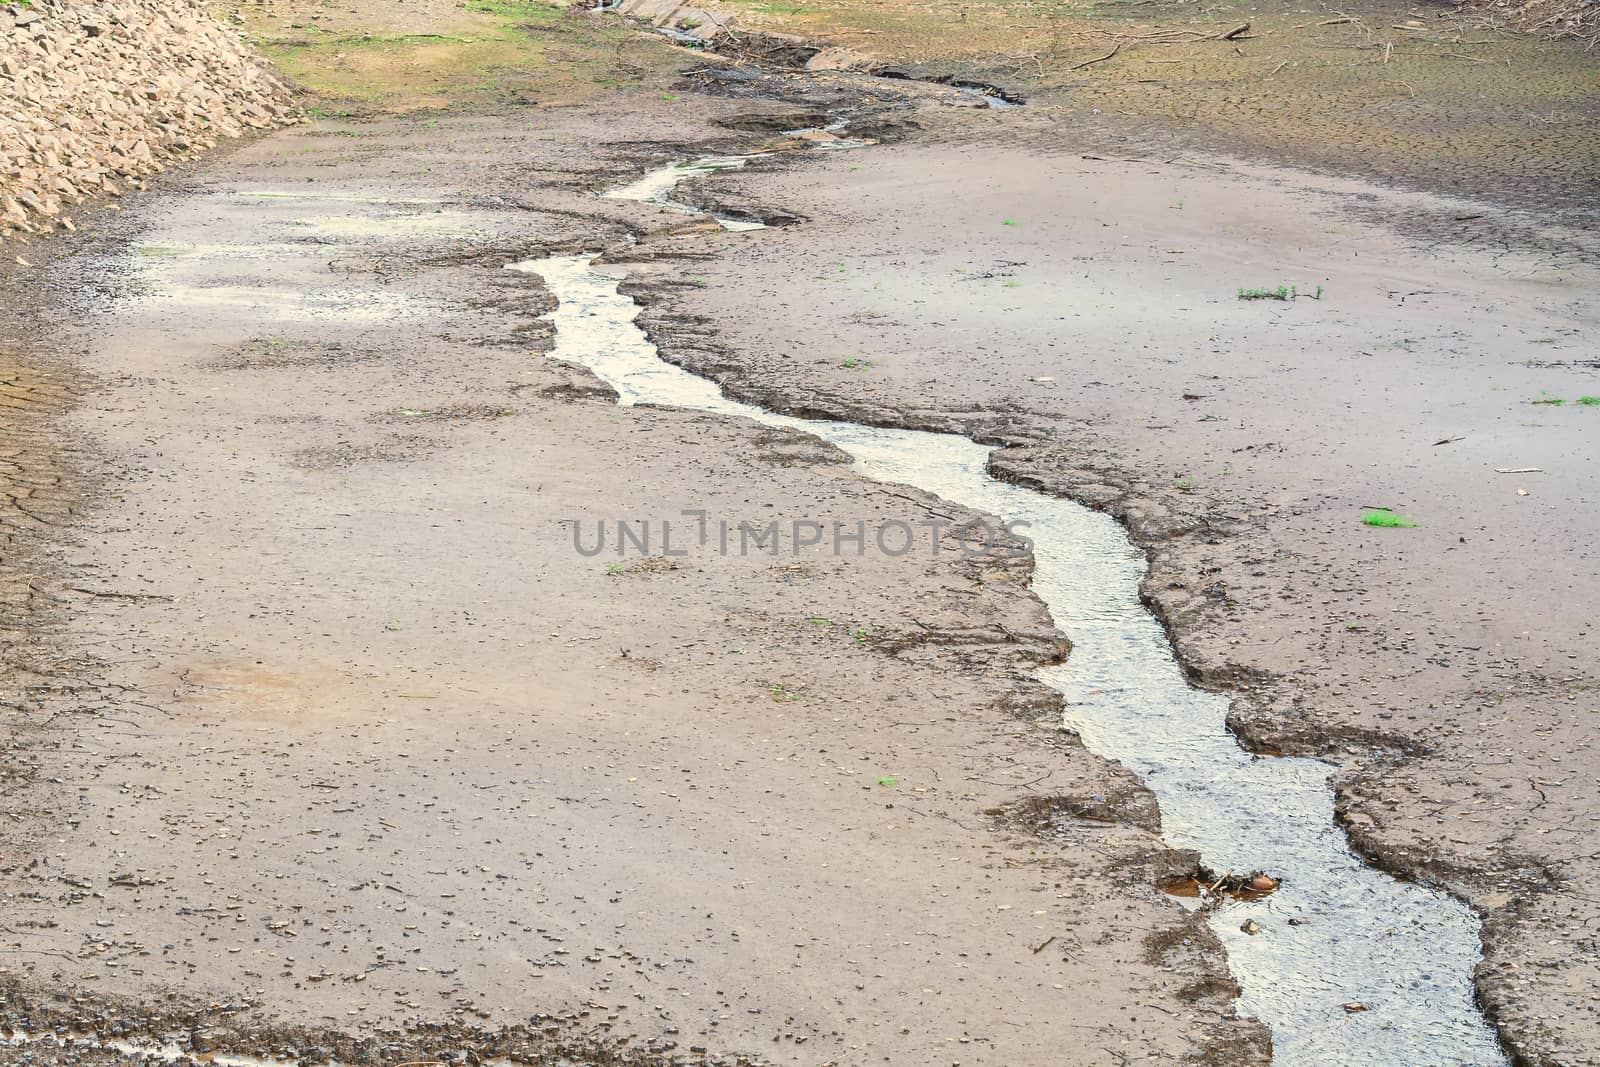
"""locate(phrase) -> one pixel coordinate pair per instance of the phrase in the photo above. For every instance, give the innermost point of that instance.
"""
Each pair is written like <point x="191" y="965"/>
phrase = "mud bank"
<point x="343" y="749"/>
<point x="1083" y="313"/>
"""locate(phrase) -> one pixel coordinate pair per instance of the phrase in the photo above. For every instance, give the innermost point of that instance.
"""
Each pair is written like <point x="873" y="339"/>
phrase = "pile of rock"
<point x="97" y="94"/>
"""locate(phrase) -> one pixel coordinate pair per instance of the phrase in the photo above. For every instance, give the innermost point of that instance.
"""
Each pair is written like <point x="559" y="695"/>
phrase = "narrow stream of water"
<point x="1350" y="966"/>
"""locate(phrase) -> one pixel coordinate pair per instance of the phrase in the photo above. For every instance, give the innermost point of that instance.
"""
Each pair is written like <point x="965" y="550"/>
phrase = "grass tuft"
<point x="1385" y="518"/>
<point x="1282" y="292"/>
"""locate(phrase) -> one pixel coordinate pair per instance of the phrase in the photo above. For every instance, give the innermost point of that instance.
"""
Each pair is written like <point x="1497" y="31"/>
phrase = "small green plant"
<point x="861" y="634"/>
<point x="1184" y="484"/>
<point x="819" y="620"/>
<point x="1385" y="518"/>
<point x="889" y="780"/>
<point x="1589" y="401"/>
<point x="701" y="283"/>
<point x="1549" y="401"/>
<point x="1282" y="292"/>
<point x="783" y="694"/>
<point x="1012" y="283"/>
<point x="856" y="364"/>
<point x="616" y="568"/>
<point x="1008" y="222"/>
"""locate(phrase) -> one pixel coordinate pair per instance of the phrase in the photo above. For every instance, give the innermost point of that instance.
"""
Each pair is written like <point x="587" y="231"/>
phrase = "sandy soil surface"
<point x="1079" y="303"/>
<point x="1424" y="94"/>
<point x="323" y="739"/>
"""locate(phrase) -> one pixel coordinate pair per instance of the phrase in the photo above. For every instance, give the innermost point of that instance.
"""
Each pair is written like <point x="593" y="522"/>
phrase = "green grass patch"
<point x="1282" y="292"/>
<point x="485" y="51"/>
<point x="1385" y="518"/>
<point x="520" y="10"/>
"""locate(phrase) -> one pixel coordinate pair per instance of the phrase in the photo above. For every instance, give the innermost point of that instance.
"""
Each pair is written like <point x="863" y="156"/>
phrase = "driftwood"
<point x="1101" y="59"/>
<point x="1238" y="33"/>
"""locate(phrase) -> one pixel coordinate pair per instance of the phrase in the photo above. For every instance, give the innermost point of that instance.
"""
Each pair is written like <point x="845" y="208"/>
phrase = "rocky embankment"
<point x="97" y="94"/>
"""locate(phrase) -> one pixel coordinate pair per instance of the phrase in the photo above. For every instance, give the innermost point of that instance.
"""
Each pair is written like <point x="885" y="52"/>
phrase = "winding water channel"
<point x="1348" y="966"/>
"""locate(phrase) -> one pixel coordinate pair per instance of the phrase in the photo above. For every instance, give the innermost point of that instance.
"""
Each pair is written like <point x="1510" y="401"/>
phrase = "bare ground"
<point x="323" y="740"/>
<point x="1076" y="301"/>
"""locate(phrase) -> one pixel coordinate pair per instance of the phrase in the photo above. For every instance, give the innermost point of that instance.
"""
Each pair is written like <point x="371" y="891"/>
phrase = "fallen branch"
<point x="117" y="596"/>
<point x="1101" y="59"/>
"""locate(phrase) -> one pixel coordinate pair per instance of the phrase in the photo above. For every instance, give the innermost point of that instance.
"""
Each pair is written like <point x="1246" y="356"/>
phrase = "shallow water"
<point x="1403" y="951"/>
<point x="657" y="185"/>
<point x="246" y="256"/>
<point x="990" y="96"/>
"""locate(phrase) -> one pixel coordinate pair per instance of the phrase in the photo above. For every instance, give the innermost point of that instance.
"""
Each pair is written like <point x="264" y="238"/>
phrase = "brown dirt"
<point x="1008" y="281"/>
<point x="1416" y="94"/>
<point x="327" y="741"/>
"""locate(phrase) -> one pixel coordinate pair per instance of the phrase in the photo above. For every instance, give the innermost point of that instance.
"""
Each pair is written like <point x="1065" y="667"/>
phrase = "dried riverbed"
<point x="283" y="653"/>
<point x="1357" y="966"/>
<point x="327" y="744"/>
<point x="1081" y="310"/>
